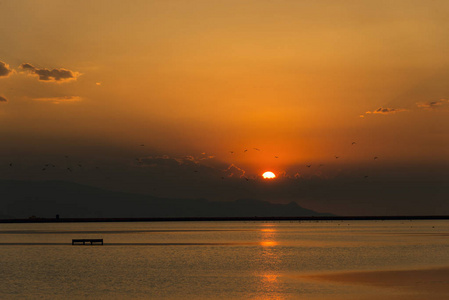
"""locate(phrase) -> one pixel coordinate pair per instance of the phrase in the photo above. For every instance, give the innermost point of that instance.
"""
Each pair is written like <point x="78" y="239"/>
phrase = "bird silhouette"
<point x="353" y="143"/>
<point x="366" y="176"/>
<point x="257" y="149"/>
<point x="142" y="145"/>
<point x="375" y="157"/>
<point x="276" y="157"/>
<point x="337" y="157"/>
<point x="308" y="166"/>
<point x="10" y="164"/>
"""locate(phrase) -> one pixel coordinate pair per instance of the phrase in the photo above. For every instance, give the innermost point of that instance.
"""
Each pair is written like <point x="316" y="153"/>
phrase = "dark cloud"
<point x="5" y="71"/>
<point x="371" y="188"/>
<point x="3" y="99"/>
<point x="59" y="75"/>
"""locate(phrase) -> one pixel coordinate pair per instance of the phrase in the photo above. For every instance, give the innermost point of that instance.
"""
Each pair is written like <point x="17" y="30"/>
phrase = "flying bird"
<point x="276" y="157"/>
<point x="375" y="157"/>
<point x="308" y="166"/>
<point x="257" y="149"/>
<point x="337" y="157"/>
<point x="245" y="150"/>
<point x="142" y="145"/>
<point x="353" y="143"/>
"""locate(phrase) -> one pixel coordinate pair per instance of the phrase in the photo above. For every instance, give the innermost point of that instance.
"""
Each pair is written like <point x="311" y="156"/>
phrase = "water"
<point x="210" y="260"/>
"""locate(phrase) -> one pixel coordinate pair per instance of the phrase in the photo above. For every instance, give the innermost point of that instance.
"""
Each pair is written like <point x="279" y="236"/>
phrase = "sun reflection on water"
<point x="270" y="285"/>
<point x="269" y="243"/>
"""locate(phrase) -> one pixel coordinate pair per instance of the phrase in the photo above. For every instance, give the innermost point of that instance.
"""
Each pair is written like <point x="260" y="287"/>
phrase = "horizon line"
<point x="217" y="219"/>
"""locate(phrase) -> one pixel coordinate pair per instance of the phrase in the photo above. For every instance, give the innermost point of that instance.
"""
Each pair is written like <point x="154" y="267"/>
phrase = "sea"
<point x="212" y="260"/>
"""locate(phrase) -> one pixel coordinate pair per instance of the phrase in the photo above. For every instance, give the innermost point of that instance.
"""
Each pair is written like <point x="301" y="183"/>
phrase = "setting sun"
<point x="268" y="175"/>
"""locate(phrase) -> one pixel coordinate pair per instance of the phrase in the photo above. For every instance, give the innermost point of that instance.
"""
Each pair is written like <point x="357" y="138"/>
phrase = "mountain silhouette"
<point x="46" y="199"/>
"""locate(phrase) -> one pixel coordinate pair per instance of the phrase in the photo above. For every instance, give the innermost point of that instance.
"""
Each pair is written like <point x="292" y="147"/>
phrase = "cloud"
<point x="57" y="100"/>
<point x="433" y="104"/>
<point x="3" y="99"/>
<point x="159" y="161"/>
<point x="193" y="159"/>
<point x="165" y="160"/>
<point x="54" y="75"/>
<point x="5" y="71"/>
<point x="386" y="111"/>
<point x="234" y="171"/>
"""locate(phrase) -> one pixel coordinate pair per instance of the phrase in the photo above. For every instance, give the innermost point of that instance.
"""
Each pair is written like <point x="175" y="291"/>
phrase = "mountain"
<point x="46" y="199"/>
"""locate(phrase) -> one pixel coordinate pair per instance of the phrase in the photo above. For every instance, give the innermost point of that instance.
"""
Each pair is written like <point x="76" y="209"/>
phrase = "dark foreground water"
<point x="213" y="260"/>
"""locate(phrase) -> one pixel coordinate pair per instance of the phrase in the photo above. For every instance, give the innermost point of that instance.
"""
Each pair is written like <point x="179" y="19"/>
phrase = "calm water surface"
<point x="209" y="260"/>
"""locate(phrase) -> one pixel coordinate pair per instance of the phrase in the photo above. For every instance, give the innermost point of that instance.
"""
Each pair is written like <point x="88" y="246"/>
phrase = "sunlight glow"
<point x="268" y="175"/>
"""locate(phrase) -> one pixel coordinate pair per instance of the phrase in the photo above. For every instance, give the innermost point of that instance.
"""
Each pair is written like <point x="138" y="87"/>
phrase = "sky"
<point x="196" y="99"/>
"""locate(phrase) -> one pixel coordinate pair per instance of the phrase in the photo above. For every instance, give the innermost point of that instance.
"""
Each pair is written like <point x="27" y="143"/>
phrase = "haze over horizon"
<point x="347" y="103"/>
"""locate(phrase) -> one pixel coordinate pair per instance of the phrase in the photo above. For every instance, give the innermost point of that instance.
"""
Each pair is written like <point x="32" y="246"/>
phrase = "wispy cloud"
<point x="167" y="160"/>
<point x="5" y="70"/>
<point x="54" y="75"/>
<point x="58" y="100"/>
<point x="430" y="105"/>
<point x="159" y="161"/>
<point x="234" y="171"/>
<point x="433" y="104"/>
<point x="384" y="111"/>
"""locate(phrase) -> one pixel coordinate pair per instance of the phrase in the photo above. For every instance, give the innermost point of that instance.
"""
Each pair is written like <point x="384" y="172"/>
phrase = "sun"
<point x="268" y="175"/>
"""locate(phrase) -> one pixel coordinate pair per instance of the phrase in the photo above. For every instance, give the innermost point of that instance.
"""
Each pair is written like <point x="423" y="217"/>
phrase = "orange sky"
<point x="300" y="80"/>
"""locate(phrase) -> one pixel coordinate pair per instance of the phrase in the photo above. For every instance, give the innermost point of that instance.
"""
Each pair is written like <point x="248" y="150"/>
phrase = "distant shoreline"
<point x="212" y="219"/>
